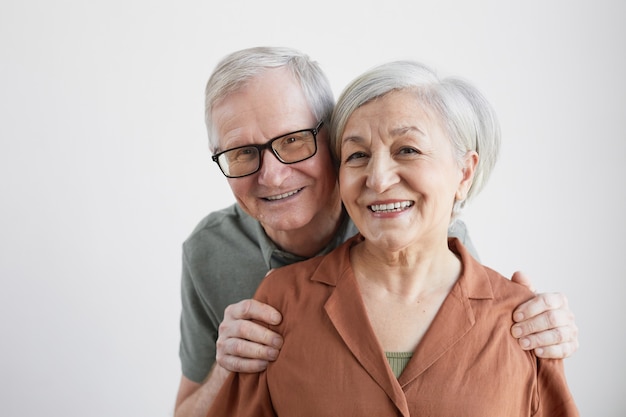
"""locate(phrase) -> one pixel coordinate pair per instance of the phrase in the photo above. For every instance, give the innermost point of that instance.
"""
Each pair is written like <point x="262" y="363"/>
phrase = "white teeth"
<point x="399" y="206"/>
<point x="281" y="196"/>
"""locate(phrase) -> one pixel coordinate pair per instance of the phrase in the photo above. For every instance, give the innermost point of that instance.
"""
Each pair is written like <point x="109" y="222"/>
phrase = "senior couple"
<point x="376" y="305"/>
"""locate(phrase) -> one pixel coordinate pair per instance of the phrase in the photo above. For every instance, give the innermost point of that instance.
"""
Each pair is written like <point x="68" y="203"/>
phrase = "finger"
<point x="237" y="364"/>
<point x="540" y="304"/>
<point x="521" y="278"/>
<point x="245" y="349"/>
<point x="240" y="355"/>
<point x="560" y="351"/>
<point x="253" y="309"/>
<point x="564" y="334"/>
<point x="248" y="330"/>
<point x="549" y="320"/>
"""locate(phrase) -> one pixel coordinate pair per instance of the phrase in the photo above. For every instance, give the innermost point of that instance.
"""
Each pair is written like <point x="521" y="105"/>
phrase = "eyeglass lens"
<point x="289" y="149"/>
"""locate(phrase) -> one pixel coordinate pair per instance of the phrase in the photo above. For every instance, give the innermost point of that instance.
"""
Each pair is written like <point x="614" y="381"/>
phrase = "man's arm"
<point x="545" y="324"/>
<point x="194" y="399"/>
<point x="242" y="346"/>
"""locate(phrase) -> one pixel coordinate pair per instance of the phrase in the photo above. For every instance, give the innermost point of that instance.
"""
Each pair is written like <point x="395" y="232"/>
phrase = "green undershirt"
<point x="398" y="361"/>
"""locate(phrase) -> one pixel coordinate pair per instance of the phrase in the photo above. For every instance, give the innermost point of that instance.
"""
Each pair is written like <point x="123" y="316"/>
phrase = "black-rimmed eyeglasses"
<point x="290" y="148"/>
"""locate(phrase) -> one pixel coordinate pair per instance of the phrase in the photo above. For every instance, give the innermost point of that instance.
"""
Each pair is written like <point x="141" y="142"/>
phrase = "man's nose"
<point x="272" y="172"/>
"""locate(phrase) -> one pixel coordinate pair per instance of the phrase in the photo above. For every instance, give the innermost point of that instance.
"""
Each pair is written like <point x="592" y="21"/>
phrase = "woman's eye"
<point x="355" y="156"/>
<point x="409" y="151"/>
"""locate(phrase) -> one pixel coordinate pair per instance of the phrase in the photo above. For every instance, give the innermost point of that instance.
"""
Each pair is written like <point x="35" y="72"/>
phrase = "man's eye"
<point x="243" y="154"/>
<point x="291" y="139"/>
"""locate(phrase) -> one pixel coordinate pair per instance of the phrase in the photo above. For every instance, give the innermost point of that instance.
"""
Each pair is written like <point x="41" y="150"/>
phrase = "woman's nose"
<point x="381" y="172"/>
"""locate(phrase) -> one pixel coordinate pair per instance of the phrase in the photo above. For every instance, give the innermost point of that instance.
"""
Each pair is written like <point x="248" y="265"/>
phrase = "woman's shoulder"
<point x="486" y="282"/>
<point x="504" y="288"/>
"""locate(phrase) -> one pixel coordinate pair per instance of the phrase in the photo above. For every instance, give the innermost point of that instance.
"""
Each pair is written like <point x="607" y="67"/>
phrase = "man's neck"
<point x="309" y="240"/>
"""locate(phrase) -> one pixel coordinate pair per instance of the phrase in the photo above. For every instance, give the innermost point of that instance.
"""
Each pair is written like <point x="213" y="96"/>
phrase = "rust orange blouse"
<point x="331" y="363"/>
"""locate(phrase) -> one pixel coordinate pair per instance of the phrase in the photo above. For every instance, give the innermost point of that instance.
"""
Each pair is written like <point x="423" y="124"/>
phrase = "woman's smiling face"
<point x="398" y="176"/>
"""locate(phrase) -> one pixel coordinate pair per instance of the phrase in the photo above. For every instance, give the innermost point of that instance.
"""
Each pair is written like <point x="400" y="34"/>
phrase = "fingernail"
<point x="519" y="316"/>
<point x="539" y="351"/>
<point x="524" y="343"/>
<point x="275" y="318"/>
<point x="517" y="331"/>
<point x="277" y="342"/>
<point x="273" y="354"/>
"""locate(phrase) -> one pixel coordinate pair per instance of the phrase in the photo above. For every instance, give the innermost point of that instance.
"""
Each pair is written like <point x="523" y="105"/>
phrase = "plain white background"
<point x="104" y="171"/>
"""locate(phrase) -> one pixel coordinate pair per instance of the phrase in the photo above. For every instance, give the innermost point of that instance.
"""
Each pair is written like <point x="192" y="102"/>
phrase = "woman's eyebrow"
<point x="352" y="138"/>
<point x="398" y="131"/>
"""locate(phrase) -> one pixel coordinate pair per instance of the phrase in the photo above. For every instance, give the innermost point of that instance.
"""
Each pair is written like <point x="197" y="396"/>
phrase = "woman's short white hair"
<point x="237" y="68"/>
<point x="467" y="117"/>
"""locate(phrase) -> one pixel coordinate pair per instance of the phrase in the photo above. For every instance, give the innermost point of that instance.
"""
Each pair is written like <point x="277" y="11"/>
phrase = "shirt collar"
<point x="474" y="278"/>
<point x="275" y="257"/>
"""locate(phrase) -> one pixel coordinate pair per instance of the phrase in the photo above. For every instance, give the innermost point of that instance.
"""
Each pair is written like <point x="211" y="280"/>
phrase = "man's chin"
<point x="285" y="224"/>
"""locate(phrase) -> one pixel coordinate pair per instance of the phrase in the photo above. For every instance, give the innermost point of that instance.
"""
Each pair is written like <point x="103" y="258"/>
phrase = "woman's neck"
<point x="411" y="274"/>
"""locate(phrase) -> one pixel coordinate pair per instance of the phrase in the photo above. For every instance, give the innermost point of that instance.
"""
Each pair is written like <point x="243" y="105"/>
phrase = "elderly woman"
<point x="401" y="320"/>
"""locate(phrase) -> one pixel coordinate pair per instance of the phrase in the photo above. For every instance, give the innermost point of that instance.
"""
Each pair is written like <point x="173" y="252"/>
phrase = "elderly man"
<point x="267" y="113"/>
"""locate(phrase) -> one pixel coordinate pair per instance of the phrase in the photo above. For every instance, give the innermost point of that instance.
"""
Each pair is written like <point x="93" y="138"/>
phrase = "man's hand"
<point x="545" y="324"/>
<point x="245" y="346"/>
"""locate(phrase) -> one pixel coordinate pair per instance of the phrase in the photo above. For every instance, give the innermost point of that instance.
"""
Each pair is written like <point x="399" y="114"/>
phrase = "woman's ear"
<point x="468" y="168"/>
